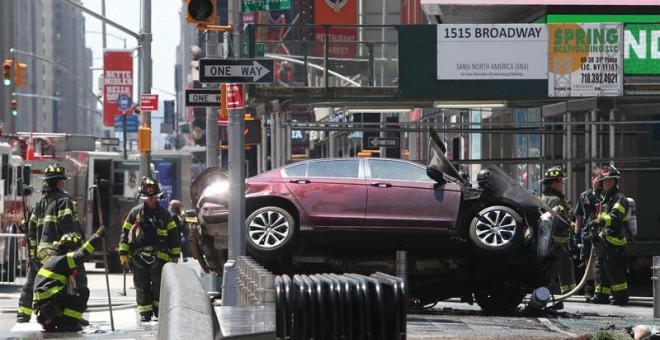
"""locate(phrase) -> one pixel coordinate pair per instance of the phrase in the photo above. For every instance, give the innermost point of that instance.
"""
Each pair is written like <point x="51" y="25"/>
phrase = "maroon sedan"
<point x="477" y="239"/>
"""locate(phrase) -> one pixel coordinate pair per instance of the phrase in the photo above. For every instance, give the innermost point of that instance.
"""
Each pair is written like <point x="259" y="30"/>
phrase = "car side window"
<point x="299" y="170"/>
<point x="381" y="169"/>
<point x="335" y="168"/>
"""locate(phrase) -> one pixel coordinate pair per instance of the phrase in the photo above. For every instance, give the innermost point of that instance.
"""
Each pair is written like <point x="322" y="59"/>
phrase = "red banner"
<point x="411" y="12"/>
<point x="117" y="80"/>
<point x="336" y="12"/>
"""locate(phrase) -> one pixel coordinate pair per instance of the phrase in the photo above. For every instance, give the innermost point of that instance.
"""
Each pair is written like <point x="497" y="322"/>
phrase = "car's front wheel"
<point x="270" y="232"/>
<point x="496" y="229"/>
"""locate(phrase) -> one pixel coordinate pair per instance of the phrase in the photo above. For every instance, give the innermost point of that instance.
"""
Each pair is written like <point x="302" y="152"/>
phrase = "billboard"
<point x="117" y="80"/>
<point x="492" y="51"/>
<point x="641" y="54"/>
<point x="336" y="12"/>
<point x="585" y="60"/>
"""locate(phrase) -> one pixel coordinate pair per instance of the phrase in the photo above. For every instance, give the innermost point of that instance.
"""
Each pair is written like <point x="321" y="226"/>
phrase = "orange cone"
<point x="29" y="155"/>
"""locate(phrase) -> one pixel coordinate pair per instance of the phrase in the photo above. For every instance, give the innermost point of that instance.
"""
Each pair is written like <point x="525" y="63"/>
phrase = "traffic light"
<point x="6" y="72"/>
<point x="201" y="12"/>
<point x="14" y="107"/>
<point x="198" y="126"/>
<point x="20" y="73"/>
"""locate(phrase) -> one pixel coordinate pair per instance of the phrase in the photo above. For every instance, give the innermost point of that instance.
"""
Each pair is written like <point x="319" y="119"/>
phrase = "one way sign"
<point x="203" y="97"/>
<point x="386" y="142"/>
<point x="236" y="70"/>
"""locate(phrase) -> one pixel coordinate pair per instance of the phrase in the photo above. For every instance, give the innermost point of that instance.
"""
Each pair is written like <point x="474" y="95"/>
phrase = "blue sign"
<point x="131" y="123"/>
<point x="124" y="102"/>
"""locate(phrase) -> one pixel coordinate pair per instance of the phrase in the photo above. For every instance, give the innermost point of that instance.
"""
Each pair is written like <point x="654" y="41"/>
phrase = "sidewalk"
<point x="126" y="318"/>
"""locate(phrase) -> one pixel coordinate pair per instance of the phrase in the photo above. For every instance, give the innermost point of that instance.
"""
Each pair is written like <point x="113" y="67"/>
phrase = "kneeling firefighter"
<point x="149" y="239"/>
<point x="58" y="301"/>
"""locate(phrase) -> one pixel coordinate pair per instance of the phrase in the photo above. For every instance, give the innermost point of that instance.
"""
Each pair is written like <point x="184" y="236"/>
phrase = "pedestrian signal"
<point x="20" y="74"/>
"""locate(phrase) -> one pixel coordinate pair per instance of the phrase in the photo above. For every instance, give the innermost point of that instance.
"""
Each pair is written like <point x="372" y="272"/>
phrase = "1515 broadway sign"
<point x="585" y="60"/>
<point x="501" y="51"/>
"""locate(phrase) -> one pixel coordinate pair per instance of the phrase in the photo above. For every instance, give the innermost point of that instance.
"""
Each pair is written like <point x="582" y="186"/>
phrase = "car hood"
<point x="212" y="185"/>
<point x="439" y="161"/>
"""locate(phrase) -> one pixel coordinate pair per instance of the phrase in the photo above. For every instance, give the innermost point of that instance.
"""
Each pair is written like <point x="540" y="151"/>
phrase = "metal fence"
<point x="255" y="283"/>
<point x="13" y="258"/>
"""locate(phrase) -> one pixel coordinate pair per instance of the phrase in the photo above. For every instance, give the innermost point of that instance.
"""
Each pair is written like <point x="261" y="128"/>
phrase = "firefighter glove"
<point x="100" y="232"/>
<point x="124" y="260"/>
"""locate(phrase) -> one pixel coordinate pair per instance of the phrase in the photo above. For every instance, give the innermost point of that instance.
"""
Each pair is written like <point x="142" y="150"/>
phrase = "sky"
<point x="165" y="29"/>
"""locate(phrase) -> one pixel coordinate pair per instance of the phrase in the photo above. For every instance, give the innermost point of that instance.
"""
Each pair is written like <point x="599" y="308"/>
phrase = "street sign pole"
<point x="236" y="176"/>
<point x="124" y="134"/>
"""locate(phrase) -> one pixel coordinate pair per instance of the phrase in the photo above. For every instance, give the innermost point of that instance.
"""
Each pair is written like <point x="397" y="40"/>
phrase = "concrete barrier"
<point x="186" y="311"/>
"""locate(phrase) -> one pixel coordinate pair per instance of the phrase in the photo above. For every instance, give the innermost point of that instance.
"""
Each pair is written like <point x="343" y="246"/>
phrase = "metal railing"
<point x="256" y="285"/>
<point x="328" y="55"/>
<point x="13" y="258"/>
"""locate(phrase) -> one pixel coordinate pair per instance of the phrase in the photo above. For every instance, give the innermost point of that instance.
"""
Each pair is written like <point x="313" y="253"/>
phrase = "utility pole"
<point x="144" y="40"/>
<point x="236" y="174"/>
<point x="145" y="80"/>
<point x="212" y="112"/>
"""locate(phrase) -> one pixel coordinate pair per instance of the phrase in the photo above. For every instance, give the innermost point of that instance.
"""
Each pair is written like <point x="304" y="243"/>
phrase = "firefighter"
<point x="584" y="212"/>
<point x="60" y="217"/>
<point x="149" y="239"/>
<point x="58" y="300"/>
<point x="182" y="227"/>
<point x="609" y="240"/>
<point x="553" y="196"/>
<point x="33" y="225"/>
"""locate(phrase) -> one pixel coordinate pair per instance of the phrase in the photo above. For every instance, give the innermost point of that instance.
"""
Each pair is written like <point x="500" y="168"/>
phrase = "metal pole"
<point x="656" y="286"/>
<point x="594" y="137"/>
<point x="123" y="128"/>
<point x="145" y="77"/>
<point x="612" y="118"/>
<point x="212" y="112"/>
<point x="236" y="176"/>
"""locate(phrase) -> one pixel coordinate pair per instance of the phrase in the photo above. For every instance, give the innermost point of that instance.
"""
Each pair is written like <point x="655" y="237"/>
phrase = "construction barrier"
<point x="348" y="306"/>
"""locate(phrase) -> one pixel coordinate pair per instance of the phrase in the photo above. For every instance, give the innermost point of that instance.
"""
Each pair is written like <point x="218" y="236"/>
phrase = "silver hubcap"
<point x="496" y="228"/>
<point x="268" y="229"/>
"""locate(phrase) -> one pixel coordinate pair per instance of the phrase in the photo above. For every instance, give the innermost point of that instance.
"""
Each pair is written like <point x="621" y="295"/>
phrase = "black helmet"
<point x="608" y="171"/>
<point x="54" y="171"/>
<point x="149" y="187"/>
<point x="69" y="242"/>
<point x="553" y="173"/>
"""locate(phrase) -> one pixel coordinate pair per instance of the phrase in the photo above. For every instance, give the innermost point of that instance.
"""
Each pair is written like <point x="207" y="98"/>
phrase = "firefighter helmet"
<point x="69" y="242"/>
<point x="54" y="171"/>
<point x="149" y="188"/>
<point x="609" y="171"/>
<point x="552" y="174"/>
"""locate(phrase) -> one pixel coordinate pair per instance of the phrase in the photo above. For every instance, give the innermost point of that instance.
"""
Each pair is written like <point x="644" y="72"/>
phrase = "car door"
<point x="332" y="192"/>
<point x="401" y="195"/>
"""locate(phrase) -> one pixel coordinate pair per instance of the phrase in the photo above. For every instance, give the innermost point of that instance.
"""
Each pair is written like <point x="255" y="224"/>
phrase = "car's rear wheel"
<point x="499" y="300"/>
<point x="270" y="232"/>
<point x="496" y="229"/>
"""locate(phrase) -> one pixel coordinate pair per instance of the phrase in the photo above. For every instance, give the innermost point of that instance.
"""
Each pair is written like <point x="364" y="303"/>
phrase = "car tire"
<point x="270" y="232"/>
<point x="499" y="301"/>
<point x="496" y="230"/>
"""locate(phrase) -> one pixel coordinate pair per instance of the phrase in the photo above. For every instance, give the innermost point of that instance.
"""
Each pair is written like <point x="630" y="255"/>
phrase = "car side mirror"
<point x="436" y="175"/>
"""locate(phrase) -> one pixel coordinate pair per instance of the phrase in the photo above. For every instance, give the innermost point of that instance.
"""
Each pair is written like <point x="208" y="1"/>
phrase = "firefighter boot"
<point x="146" y="317"/>
<point x="589" y="290"/>
<point x="600" y="299"/>
<point x="620" y="298"/>
<point x="23" y="318"/>
<point x="68" y="324"/>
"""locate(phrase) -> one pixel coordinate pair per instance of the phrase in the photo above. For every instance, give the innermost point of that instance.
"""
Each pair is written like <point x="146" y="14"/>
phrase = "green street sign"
<point x="641" y="49"/>
<point x="265" y="5"/>
<point x="261" y="50"/>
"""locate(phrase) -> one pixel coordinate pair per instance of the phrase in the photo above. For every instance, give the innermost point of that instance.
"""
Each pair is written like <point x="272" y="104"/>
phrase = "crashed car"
<point x="475" y="241"/>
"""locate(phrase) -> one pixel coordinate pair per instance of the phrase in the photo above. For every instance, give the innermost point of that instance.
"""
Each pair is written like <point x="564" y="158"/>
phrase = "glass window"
<point x="382" y="169"/>
<point x="335" y="168"/>
<point x="295" y="171"/>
